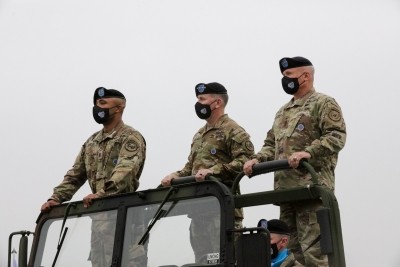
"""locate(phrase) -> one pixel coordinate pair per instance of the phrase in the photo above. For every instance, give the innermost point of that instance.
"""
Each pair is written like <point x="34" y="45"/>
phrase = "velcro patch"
<point x="249" y="145"/>
<point x="131" y="146"/>
<point x="335" y="115"/>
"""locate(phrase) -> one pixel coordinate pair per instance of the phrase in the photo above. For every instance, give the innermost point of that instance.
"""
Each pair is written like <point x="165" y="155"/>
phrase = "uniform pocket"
<point x="292" y="126"/>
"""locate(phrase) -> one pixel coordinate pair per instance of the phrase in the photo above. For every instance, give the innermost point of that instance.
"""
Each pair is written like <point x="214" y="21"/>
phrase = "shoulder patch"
<point x="195" y="137"/>
<point x="335" y="115"/>
<point x="249" y="145"/>
<point x="131" y="146"/>
<point x="239" y="138"/>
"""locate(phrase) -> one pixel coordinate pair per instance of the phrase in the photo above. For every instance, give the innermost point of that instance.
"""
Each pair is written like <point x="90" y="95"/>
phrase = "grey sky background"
<point x="53" y="54"/>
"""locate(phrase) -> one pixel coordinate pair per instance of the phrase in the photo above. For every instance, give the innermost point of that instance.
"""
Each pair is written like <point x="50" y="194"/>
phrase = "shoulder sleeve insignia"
<point x="131" y="146"/>
<point x="335" y="115"/>
<point x="249" y="145"/>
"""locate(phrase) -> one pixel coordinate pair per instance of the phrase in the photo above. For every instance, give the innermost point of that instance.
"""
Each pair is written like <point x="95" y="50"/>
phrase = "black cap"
<point x="275" y="226"/>
<point x="102" y="92"/>
<point x="294" y="62"/>
<point x="210" y="88"/>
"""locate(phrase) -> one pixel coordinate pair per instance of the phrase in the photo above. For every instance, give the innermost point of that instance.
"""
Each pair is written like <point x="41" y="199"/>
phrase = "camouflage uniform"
<point x="313" y="123"/>
<point x="224" y="149"/>
<point x="291" y="261"/>
<point x="112" y="164"/>
<point x="102" y="239"/>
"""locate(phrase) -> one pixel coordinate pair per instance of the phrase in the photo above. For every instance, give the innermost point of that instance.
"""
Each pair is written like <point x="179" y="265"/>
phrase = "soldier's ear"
<point x="285" y="240"/>
<point x="119" y="109"/>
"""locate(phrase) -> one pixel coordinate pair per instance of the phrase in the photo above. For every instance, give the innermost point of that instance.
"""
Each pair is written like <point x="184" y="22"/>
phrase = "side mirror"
<point x="23" y="248"/>
<point x="23" y="251"/>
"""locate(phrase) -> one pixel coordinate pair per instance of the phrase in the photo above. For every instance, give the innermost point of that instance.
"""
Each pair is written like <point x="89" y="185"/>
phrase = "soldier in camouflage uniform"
<point x="220" y="149"/>
<point x="310" y="126"/>
<point x="280" y="236"/>
<point x="111" y="160"/>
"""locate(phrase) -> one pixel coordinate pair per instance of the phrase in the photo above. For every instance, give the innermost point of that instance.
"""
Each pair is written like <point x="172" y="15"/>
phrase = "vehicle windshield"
<point x="186" y="232"/>
<point x="186" y="223"/>
<point x="76" y="248"/>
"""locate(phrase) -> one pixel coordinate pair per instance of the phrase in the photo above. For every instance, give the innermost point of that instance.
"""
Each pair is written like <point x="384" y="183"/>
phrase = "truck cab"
<point x="151" y="227"/>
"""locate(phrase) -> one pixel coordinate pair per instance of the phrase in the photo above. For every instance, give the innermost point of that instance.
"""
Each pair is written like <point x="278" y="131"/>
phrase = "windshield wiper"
<point x="63" y="232"/>
<point x="159" y="213"/>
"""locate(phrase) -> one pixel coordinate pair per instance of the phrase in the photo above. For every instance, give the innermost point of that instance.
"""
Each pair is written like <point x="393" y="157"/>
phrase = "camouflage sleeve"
<point x="73" y="180"/>
<point x="267" y="152"/>
<point x="333" y="131"/>
<point x="125" y="175"/>
<point x="187" y="169"/>
<point x="241" y="149"/>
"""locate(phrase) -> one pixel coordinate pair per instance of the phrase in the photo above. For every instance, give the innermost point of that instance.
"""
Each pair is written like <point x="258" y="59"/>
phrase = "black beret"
<point x="102" y="92"/>
<point x="210" y="88"/>
<point x="275" y="226"/>
<point x="294" y="62"/>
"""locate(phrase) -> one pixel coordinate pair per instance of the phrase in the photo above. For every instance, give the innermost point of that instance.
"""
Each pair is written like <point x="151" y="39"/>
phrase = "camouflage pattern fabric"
<point x="301" y="218"/>
<point x="111" y="163"/>
<point x="137" y="253"/>
<point x="205" y="237"/>
<point x="223" y="148"/>
<point x="291" y="261"/>
<point x="102" y="240"/>
<point x="315" y="124"/>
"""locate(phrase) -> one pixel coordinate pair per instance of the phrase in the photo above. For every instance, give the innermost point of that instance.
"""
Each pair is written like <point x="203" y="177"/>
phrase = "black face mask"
<point x="203" y="111"/>
<point x="274" y="251"/>
<point x="101" y="115"/>
<point x="291" y="85"/>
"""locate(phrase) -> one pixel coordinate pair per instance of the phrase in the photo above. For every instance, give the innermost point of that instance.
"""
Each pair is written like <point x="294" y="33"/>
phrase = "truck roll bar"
<point x="272" y="166"/>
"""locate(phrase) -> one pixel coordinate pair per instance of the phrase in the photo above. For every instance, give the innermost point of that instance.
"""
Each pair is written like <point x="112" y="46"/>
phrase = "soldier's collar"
<point x="301" y="101"/>
<point x="113" y="132"/>
<point x="217" y="124"/>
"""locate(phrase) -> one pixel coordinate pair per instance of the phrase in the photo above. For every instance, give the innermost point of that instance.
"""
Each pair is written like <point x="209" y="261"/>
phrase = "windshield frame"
<point x="123" y="202"/>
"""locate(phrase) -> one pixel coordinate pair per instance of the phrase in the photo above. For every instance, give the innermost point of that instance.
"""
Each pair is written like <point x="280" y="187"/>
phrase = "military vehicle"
<point x="151" y="227"/>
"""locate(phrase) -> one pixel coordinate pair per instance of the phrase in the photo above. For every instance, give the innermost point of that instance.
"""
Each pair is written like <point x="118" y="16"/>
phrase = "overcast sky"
<point x="54" y="54"/>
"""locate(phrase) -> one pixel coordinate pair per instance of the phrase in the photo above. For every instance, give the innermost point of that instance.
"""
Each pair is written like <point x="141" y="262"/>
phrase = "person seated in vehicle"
<point x="280" y="236"/>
